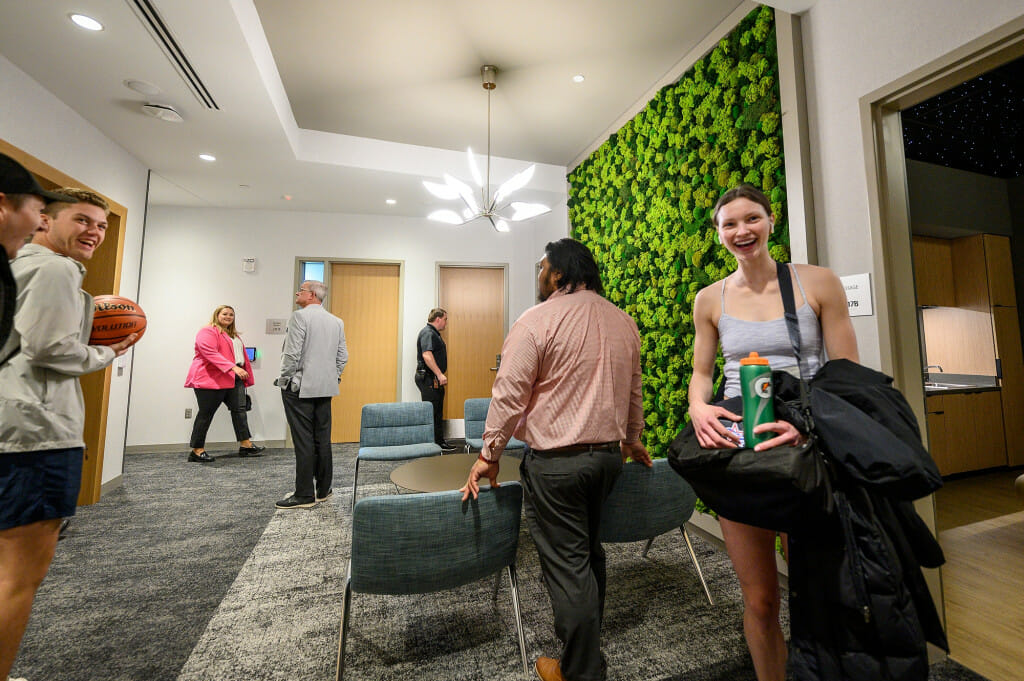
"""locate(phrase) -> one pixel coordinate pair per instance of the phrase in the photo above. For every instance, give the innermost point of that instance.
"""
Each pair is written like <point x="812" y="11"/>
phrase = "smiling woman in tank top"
<point x="744" y="313"/>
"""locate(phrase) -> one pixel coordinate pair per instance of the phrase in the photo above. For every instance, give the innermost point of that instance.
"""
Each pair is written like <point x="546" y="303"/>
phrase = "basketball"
<point x="114" y="319"/>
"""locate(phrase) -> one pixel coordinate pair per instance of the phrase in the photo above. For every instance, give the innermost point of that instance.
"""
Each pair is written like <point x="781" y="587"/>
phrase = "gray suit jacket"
<point x="314" y="353"/>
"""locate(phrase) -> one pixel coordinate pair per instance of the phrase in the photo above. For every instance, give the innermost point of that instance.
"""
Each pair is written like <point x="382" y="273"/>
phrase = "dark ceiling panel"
<point x="977" y="126"/>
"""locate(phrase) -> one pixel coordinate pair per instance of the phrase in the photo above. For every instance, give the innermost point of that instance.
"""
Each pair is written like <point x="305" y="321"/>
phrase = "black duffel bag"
<point x="774" y="489"/>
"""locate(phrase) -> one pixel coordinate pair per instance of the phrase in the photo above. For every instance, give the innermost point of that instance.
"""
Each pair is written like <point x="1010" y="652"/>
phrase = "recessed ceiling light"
<point x="390" y="202"/>
<point x="141" y="86"/>
<point x="208" y="157"/>
<point x="88" y="23"/>
<point x="578" y="78"/>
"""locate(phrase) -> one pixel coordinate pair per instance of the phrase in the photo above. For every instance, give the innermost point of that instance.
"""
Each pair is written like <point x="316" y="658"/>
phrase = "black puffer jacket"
<point x="860" y="609"/>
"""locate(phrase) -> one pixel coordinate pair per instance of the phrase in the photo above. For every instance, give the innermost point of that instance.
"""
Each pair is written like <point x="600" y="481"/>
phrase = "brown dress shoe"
<point x="548" y="670"/>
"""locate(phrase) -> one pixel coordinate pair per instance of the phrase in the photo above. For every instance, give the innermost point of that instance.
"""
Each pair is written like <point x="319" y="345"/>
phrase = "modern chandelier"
<point x="493" y="207"/>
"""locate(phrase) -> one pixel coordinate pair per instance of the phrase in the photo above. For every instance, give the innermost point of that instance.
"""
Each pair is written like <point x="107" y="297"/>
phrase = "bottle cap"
<point x="753" y="358"/>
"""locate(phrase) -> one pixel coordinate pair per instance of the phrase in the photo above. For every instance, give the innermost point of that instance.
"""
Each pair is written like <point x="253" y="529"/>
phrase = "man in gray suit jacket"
<point x="311" y="364"/>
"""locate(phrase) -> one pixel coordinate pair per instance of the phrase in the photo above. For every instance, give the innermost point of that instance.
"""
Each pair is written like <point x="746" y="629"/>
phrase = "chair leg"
<point x="519" y="618"/>
<point x="343" y="634"/>
<point x="647" y="547"/>
<point x="693" y="557"/>
<point x="355" y="481"/>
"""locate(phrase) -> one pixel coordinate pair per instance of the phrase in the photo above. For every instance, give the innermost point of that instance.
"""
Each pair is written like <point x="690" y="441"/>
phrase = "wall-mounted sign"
<point x="276" y="327"/>
<point x="858" y="294"/>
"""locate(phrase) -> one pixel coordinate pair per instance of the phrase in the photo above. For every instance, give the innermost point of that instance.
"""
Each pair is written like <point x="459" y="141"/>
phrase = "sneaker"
<point x="296" y="502"/>
<point x="448" y="446"/>
<point x="327" y="495"/>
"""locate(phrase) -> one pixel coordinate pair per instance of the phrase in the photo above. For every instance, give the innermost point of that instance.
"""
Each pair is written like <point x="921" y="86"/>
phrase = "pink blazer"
<point x="215" y="355"/>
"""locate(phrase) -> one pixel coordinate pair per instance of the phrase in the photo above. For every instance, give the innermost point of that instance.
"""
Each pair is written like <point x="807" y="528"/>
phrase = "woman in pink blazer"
<point x="220" y="373"/>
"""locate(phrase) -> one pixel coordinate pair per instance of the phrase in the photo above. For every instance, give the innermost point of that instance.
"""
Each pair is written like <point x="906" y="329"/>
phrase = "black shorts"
<point x="39" y="485"/>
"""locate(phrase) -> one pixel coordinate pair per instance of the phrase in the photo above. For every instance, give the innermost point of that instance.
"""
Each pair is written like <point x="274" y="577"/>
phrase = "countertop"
<point x="940" y="383"/>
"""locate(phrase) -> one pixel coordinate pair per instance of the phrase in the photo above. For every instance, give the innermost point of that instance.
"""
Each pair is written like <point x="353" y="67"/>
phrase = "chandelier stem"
<point x="487" y="183"/>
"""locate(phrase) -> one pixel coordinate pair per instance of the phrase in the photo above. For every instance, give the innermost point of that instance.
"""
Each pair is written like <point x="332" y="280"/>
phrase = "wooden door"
<point x="474" y="298"/>
<point x="366" y="297"/>
<point x="103" y="276"/>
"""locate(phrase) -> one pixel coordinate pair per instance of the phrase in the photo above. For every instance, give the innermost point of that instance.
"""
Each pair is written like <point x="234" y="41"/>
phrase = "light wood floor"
<point x="981" y="530"/>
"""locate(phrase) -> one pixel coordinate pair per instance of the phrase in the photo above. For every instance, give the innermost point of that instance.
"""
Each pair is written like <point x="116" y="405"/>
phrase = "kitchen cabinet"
<point x="1006" y="326"/>
<point x="938" y="445"/>
<point x="965" y="431"/>
<point x="933" y="271"/>
<point x="983" y="271"/>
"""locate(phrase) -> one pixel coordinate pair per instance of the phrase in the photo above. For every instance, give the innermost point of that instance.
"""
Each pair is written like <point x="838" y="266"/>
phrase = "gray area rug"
<point x="187" y="572"/>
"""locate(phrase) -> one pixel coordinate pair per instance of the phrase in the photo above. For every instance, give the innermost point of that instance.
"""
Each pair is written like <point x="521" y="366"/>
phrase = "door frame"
<point x="889" y="214"/>
<point x="359" y="261"/>
<point x="51" y="178"/>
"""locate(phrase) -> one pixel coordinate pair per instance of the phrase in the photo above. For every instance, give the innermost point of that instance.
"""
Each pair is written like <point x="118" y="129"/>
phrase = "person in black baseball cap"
<point x="22" y="200"/>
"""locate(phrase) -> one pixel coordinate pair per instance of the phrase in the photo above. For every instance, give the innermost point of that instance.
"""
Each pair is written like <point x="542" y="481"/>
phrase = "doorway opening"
<point x="935" y="208"/>
<point x="103" y="277"/>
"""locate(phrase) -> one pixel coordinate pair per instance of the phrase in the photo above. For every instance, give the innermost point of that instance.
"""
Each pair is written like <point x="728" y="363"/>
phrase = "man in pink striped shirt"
<point x="569" y="386"/>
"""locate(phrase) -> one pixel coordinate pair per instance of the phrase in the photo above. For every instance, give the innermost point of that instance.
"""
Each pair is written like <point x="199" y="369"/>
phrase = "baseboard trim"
<point x="112" y="484"/>
<point x="179" y="448"/>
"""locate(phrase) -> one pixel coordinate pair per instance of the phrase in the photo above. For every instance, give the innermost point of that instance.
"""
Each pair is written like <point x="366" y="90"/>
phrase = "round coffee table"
<point x="447" y="472"/>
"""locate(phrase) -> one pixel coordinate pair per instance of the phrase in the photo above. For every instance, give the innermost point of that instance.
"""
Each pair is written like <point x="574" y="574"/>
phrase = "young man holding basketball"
<point x="41" y="406"/>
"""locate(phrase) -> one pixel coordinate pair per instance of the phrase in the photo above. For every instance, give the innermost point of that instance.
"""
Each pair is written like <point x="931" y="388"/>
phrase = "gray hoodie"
<point x="41" y="404"/>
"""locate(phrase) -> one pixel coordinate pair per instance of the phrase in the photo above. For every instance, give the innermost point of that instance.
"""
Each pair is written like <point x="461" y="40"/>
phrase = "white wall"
<point x="192" y="263"/>
<point x="38" y="123"/>
<point x="850" y="50"/>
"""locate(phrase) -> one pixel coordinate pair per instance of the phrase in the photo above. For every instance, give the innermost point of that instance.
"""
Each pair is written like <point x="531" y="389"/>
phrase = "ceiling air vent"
<point x="154" y="23"/>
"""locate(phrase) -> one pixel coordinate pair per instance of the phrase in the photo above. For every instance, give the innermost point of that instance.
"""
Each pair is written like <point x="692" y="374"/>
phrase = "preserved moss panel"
<point x="642" y="202"/>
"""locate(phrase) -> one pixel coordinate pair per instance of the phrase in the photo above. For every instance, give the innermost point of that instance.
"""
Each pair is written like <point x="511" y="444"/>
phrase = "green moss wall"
<point x="642" y="202"/>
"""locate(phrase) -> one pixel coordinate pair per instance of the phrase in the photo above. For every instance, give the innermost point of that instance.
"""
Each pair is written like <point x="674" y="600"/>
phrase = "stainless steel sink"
<point x="948" y="386"/>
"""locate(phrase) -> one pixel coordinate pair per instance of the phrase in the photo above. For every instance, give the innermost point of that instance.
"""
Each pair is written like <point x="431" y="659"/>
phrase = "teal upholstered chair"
<point x="394" y="431"/>
<point x="476" y="416"/>
<point x="423" y="543"/>
<point x="646" y="503"/>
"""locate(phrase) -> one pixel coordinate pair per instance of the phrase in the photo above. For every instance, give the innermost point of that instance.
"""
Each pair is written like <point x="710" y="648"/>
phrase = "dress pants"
<point x="562" y="496"/>
<point x="209" y="401"/>
<point x="434" y="395"/>
<point x="310" y="421"/>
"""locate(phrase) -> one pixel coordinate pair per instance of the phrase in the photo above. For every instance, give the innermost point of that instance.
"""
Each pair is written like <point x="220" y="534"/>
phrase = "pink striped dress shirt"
<point x="570" y="374"/>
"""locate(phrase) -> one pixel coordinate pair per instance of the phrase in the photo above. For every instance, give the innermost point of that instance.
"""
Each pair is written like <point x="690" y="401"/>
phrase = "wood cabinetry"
<point x="983" y="272"/>
<point x="1006" y="325"/>
<point x="965" y="431"/>
<point x="933" y="271"/>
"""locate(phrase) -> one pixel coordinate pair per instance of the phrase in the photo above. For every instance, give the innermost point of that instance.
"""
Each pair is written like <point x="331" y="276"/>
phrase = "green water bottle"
<point x="756" y="388"/>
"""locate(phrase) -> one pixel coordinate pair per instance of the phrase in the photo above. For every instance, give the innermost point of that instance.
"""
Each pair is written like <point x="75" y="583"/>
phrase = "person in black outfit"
<point x="22" y="200"/>
<point x="431" y="365"/>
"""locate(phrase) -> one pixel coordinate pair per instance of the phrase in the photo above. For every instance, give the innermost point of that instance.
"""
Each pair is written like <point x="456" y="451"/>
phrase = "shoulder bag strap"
<point x="793" y="327"/>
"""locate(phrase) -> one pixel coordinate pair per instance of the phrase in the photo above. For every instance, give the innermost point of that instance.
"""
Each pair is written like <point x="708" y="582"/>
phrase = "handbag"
<point x="776" y="488"/>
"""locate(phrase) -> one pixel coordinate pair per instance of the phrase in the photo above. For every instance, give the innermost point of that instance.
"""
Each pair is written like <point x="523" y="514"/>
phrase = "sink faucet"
<point x="933" y="366"/>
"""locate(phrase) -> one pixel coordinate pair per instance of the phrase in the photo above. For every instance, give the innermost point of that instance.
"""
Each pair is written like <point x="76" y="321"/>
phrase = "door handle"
<point x="497" y="362"/>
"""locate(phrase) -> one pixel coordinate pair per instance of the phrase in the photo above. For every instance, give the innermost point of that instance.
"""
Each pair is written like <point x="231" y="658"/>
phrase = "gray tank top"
<point x="770" y="339"/>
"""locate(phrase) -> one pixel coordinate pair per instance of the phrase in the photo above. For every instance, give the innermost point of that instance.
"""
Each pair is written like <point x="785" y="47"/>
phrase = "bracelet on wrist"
<point x="480" y="457"/>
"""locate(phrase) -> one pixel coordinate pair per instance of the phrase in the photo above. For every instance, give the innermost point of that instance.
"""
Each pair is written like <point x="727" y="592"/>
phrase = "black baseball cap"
<point x="15" y="179"/>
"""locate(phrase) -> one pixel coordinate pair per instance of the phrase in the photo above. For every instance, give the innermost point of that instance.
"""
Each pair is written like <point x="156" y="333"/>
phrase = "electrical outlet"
<point x="188" y="413"/>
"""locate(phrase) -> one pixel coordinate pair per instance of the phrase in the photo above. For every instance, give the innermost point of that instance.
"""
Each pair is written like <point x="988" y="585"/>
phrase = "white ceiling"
<point x="343" y="103"/>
